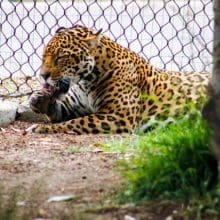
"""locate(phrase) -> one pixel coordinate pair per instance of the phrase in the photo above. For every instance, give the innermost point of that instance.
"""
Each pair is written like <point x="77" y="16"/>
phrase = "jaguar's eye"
<point x="59" y="58"/>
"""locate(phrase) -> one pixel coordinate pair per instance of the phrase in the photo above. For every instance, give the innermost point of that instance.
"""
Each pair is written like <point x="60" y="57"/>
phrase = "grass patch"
<point x="74" y="149"/>
<point x="170" y="162"/>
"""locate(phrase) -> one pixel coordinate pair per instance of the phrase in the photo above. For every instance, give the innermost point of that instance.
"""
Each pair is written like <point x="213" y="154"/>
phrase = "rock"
<point x="61" y="198"/>
<point x="170" y="217"/>
<point x="128" y="217"/>
<point x="7" y="112"/>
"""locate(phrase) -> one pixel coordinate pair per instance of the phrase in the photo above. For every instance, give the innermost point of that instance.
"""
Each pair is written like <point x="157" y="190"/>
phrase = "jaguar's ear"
<point x="60" y="29"/>
<point x="93" y="39"/>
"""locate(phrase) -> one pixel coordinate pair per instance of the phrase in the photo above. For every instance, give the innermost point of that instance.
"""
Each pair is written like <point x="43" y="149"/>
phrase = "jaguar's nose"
<point x="45" y="75"/>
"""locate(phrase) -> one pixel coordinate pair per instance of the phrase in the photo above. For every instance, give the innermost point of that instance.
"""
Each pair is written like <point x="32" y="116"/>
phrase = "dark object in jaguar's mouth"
<point x="61" y="87"/>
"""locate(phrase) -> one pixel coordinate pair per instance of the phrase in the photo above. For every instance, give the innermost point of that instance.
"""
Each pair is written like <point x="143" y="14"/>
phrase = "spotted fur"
<point x="112" y="89"/>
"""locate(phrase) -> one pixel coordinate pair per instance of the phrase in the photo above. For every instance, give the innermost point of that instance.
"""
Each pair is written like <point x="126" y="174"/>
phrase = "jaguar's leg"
<point x="94" y="123"/>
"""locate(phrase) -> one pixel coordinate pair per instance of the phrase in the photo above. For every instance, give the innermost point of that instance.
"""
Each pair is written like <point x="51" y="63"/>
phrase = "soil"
<point x="43" y="165"/>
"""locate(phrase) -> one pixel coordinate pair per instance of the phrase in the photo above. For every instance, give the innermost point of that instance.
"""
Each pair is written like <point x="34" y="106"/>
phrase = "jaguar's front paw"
<point x="40" y="100"/>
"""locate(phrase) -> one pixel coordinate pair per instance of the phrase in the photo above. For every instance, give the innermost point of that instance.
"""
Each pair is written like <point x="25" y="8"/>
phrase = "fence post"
<point x="212" y="109"/>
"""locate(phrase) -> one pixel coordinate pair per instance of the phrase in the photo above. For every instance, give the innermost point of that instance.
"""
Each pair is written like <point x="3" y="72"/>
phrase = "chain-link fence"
<point x="171" y="34"/>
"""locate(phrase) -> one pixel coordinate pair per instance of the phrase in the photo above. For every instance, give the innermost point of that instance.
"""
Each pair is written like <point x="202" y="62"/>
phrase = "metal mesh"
<point x="171" y="34"/>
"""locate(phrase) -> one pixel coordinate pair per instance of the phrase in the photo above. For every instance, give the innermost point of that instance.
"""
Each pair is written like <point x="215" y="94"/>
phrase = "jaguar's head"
<point x="68" y="57"/>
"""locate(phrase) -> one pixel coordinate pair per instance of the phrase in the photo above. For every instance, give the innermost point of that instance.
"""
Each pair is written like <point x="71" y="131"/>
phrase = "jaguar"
<point x="92" y="84"/>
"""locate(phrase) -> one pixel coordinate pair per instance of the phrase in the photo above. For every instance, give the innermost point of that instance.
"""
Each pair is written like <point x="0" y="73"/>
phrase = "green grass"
<point x="173" y="162"/>
<point x="74" y="149"/>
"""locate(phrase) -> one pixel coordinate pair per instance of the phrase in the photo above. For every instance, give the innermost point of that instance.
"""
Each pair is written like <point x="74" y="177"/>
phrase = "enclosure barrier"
<point x="171" y="34"/>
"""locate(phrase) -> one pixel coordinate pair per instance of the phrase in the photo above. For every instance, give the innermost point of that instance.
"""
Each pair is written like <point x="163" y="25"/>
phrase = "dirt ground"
<point x="40" y="166"/>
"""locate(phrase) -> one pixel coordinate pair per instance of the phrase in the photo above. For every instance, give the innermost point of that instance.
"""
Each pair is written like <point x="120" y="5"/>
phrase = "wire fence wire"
<point x="171" y="34"/>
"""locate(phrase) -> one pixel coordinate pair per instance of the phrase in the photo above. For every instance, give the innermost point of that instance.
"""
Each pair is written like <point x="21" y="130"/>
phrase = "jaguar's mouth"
<point x="49" y="88"/>
<point x="61" y="87"/>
